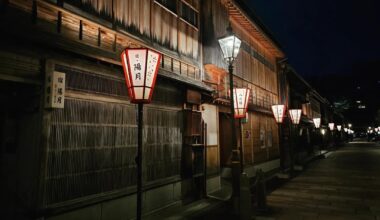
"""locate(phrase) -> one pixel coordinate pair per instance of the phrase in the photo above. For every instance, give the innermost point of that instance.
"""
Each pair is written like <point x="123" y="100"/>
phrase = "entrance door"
<point x="225" y="139"/>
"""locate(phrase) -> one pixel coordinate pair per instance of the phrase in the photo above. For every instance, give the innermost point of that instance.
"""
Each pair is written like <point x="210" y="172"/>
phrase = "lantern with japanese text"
<point x="241" y="98"/>
<point x="295" y="115"/>
<point x="317" y="122"/>
<point x="140" y="70"/>
<point x="331" y="126"/>
<point x="278" y="112"/>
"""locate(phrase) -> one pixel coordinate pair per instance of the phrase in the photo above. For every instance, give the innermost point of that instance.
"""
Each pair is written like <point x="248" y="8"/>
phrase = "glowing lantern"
<point x="140" y="70"/>
<point x="323" y="131"/>
<point x="295" y="115"/>
<point x="331" y="126"/>
<point x="278" y="112"/>
<point x="346" y="130"/>
<point x="317" y="122"/>
<point x="241" y="98"/>
<point x="230" y="45"/>
<point x="339" y="127"/>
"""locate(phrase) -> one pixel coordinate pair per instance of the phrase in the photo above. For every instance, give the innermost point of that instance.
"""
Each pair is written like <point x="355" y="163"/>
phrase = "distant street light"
<point x="230" y="45"/>
<point x="349" y="125"/>
<point x="140" y="70"/>
<point x="278" y="112"/>
<point x="317" y="122"/>
<point x="295" y="115"/>
<point x="323" y="131"/>
<point x="331" y="126"/>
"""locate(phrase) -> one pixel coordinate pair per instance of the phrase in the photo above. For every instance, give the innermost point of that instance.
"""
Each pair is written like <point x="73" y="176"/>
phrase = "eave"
<point x="240" y="16"/>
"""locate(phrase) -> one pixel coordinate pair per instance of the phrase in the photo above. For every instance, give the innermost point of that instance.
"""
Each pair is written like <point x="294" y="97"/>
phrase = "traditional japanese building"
<point x="255" y="68"/>
<point x="68" y="130"/>
<point x="76" y="157"/>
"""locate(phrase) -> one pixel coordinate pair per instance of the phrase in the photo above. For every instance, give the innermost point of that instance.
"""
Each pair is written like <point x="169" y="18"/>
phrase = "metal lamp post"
<point x="230" y="45"/>
<point x="279" y="113"/>
<point x="140" y="70"/>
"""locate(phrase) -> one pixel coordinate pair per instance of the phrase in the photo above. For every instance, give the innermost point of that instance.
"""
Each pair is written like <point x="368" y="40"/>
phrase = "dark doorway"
<point x="225" y="139"/>
<point x="20" y="120"/>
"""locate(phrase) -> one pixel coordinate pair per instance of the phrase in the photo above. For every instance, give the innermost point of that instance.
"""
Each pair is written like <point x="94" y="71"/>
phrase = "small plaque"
<point x="55" y="90"/>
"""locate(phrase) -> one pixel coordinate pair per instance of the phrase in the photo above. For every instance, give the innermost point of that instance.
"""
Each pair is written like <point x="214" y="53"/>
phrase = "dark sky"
<point x="323" y="36"/>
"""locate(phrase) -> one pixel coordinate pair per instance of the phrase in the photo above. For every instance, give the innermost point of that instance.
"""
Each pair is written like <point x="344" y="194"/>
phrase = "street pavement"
<point x="345" y="185"/>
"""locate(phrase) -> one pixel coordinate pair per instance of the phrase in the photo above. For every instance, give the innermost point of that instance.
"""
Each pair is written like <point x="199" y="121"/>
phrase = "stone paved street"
<point x="345" y="185"/>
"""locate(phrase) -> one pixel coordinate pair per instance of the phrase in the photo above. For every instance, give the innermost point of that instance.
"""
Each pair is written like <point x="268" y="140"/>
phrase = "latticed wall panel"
<point x="92" y="142"/>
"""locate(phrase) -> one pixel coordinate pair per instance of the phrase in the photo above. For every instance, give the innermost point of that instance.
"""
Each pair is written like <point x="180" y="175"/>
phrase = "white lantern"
<point x="339" y="127"/>
<point x="346" y="130"/>
<point x="230" y="46"/>
<point x="317" y="122"/>
<point x="295" y="115"/>
<point x="331" y="126"/>
<point x="241" y="98"/>
<point x="278" y="112"/>
<point x="140" y="70"/>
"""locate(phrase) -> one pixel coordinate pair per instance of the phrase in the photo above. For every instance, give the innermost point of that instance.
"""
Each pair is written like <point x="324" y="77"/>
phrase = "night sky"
<point x="335" y="45"/>
<point x="323" y="37"/>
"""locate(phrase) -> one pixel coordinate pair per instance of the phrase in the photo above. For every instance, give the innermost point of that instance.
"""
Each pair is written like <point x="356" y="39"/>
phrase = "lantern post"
<point x="331" y="127"/>
<point x="295" y="116"/>
<point x="279" y="113"/>
<point x="140" y="67"/>
<point x="317" y="124"/>
<point x="241" y="98"/>
<point x="230" y="45"/>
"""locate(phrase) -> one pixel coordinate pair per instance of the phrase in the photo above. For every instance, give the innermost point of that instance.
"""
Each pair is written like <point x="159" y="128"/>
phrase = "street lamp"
<point x="331" y="126"/>
<point x="278" y="112"/>
<point x="349" y="125"/>
<point x="323" y="131"/>
<point x="140" y="71"/>
<point x="230" y="45"/>
<point x="317" y="122"/>
<point x="295" y="115"/>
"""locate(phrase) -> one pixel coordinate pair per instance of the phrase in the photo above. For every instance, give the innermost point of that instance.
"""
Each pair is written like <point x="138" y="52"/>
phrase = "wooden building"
<point x="76" y="159"/>
<point x="303" y="142"/>
<point x="255" y="68"/>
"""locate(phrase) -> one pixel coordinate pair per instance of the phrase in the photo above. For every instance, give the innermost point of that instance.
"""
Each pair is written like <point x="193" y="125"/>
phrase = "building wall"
<point x="254" y="68"/>
<point x="91" y="141"/>
<point x="260" y="139"/>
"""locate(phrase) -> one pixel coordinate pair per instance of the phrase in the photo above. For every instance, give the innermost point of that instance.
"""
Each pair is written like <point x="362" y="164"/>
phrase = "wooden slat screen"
<point x="253" y="150"/>
<point x="92" y="143"/>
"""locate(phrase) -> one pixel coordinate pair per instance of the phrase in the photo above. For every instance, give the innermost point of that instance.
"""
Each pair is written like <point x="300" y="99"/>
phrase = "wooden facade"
<point x="83" y="156"/>
<point x="255" y="68"/>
